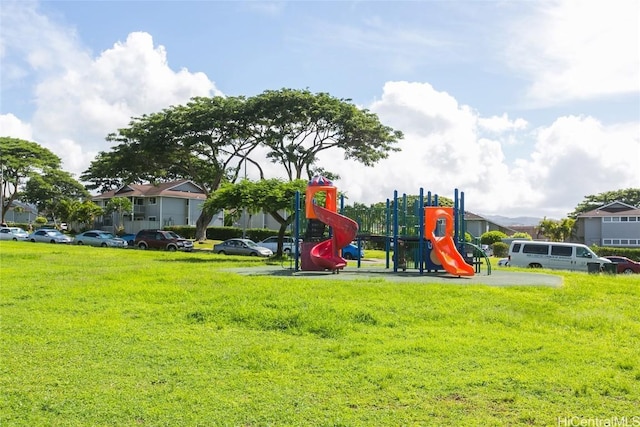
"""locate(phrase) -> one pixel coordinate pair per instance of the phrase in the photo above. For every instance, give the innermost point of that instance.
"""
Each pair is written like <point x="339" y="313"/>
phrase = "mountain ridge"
<point x="510" y="221"/>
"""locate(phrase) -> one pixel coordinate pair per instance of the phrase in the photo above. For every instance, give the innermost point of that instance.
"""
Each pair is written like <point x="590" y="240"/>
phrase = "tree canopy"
<point x="557" y="231"/>
<point x="20" y="161"/>
<point x="210" y="141"/>
<point x="296" y="125"/>
<point x="47" y="191"/>
<point x="270" y="195"/>
<point x="630" y="196"/>
<point x="205" y="141"/>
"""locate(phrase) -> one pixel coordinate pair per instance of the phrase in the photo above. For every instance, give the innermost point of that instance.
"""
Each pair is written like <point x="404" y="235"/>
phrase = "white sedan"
<point x="99" y="238"/>
<point x="49" y="235"/>
<point x="13" y="233"/>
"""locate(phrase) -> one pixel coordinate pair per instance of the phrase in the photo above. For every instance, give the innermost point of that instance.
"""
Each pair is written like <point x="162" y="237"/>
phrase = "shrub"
<point x="500" y="249"/>
<point x="491" y="237"/>
<point x="521" y="235"/>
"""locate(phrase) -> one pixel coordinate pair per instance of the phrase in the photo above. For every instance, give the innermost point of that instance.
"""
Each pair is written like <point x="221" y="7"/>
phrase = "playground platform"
<point x="497" y="277"/>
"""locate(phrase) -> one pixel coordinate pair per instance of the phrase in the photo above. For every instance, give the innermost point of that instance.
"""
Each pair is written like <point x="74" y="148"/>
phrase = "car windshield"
<point x="251" y="243"/>
<point x="54" y="233"/>
<point x="174" y="235"/>
<point x="105" y="235"/>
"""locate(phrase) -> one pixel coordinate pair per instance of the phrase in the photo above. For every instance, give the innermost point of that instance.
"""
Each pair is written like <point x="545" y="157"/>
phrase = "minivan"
<point x="554" y="255"/>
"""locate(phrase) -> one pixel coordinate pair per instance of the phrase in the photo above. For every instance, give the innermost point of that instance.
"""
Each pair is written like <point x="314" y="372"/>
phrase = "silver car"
<point x="99" y="238"/>
<point x="13" y="233"/>
<point x="49" y="235"/>
<point x="241" y="247"/>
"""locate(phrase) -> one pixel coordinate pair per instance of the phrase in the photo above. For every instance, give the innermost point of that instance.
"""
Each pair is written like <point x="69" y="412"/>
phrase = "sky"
<point x="525" y="106"/>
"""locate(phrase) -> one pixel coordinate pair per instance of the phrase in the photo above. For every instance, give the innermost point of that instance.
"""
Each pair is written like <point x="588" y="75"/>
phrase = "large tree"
<point x="296" y="125"/>
<point x="211" y="140"/>
<point x="630" y="196"/>
<point x="20" y="160"/>
<point x="206" y="141"/>
<point x="49" y="190"/>
<point x="273" y="196"/>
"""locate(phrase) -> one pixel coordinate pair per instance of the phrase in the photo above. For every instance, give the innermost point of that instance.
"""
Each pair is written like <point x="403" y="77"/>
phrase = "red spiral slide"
<point x="326" y="254"/>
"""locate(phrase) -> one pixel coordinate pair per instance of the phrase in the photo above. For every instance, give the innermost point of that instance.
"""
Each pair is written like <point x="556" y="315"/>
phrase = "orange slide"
<point x="444" y="246"/>
<point x="326" y="254"/>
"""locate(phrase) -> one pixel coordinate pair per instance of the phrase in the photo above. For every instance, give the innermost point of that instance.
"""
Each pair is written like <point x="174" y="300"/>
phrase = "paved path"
<point x="500" y="277"/>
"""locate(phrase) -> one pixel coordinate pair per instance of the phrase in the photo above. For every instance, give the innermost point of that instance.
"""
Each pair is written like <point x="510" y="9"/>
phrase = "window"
<point x="152" y="200"/>
<point x="582" y="252"/>
<point x="561" y="250"/>
<point x="606" y="219"/>
<point x="516" y="247"/>
<point x="535" y="249"/>
<point x="152" y="218"/>
<point x="633" y="218"/>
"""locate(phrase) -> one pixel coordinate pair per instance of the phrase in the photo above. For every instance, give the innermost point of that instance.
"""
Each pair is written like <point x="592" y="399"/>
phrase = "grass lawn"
<point x="114" y="337"/>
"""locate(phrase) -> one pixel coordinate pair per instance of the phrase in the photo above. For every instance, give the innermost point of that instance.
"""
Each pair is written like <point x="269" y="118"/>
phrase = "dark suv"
<point x="162" y="239"/>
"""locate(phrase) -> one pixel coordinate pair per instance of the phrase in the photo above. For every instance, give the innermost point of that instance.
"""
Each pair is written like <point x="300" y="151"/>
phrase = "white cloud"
<point x="12" y="126"/>
<point x="80" y="98"/>
<point x="444" y="149"/>
<point x="573" y="49"/>
<point x="499" y="124"/>
<point x="130" y="79"/>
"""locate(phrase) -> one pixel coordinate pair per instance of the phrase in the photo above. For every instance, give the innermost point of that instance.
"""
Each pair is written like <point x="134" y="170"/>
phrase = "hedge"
<point x="631" y="253"/>
<point x="224" y="233"/>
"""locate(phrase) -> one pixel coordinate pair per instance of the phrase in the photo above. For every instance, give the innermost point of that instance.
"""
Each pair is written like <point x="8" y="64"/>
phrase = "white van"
<point x="555" y="255"/>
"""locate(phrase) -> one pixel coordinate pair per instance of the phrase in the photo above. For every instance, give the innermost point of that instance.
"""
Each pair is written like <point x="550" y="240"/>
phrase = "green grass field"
<point x="113" y="337"/>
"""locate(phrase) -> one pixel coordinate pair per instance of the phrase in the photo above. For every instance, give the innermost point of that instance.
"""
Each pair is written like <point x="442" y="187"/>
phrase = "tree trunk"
<point x="201" y="225"/>
<point x="284" y="223"/>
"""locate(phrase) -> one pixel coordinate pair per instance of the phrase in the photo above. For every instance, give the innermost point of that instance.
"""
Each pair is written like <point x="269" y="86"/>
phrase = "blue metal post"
<point x="395" y="231"/>
<point x="456" y="218"/>
<point x="421" y="241"/>
<point x="387" y="233"/>
<point x="296" y="231"/>
<point x="463" y="228"/>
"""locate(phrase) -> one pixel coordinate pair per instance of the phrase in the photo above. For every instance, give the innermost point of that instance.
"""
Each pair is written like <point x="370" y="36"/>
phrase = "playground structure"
<point x="319" y="253"/>
<point x="421" y="235"/>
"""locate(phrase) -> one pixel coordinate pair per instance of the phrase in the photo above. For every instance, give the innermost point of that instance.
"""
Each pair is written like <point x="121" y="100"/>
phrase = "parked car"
<point x="129" y="238"/>
<point x="99" y="238"/>
<point x="49" y="235"/>
<point x="13" y="233"/>
<point x="351" y="251"/>
<point x="162" y="239"/>
<point x="241" y="247"/>
<point x="288" y="244"/>
<point x="503" y="262"/>
<point x="625" y="265"/>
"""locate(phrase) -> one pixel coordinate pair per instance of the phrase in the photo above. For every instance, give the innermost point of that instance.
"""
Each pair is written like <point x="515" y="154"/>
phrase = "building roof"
<point x="26" y="207"/>
<point x="183" y="189"/>
<point x="616" y="208"/>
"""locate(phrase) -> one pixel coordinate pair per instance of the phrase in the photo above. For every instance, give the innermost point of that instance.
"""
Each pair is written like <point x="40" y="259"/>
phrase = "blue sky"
<point x="520" y="104"/>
